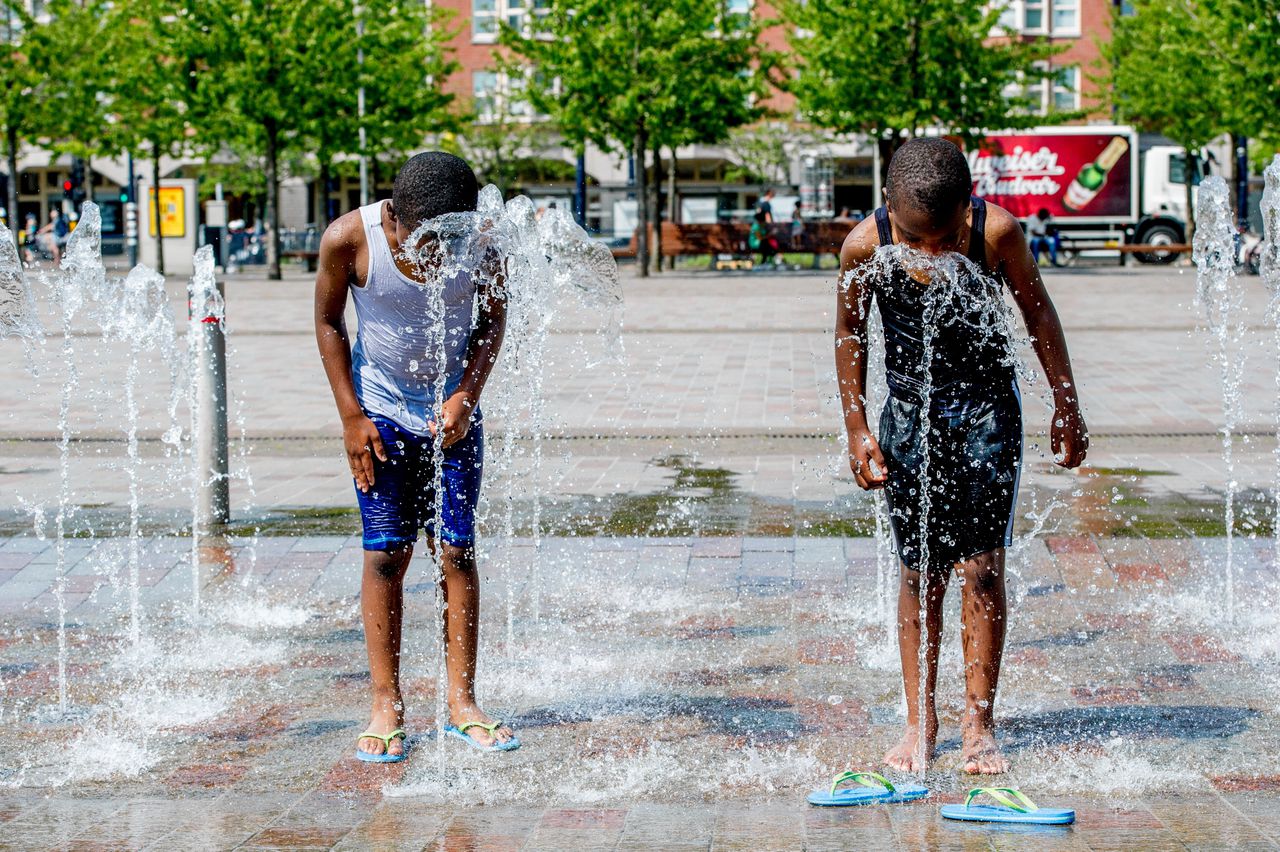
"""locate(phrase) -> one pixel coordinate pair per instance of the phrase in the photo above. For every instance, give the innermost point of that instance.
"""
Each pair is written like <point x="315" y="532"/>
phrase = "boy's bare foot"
<point x="981" y="755"/>
<point x="461" y="714"/>
<point x="386" y="716"/>
<point x="905" y="756"/>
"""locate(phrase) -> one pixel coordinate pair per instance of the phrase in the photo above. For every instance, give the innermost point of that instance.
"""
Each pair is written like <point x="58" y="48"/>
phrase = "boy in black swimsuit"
<point x="967" y="397"/>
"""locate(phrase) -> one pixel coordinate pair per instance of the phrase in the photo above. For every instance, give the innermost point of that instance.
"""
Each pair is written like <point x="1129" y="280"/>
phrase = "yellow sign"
<point x="173" y="211"/>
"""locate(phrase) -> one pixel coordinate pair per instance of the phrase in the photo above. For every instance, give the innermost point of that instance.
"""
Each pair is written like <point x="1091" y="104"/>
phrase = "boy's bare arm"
<point x="1069" y="436"/>
<point x="482" y="353"/>
<point x="336" y="268"/>
<point x="853" y="302"/>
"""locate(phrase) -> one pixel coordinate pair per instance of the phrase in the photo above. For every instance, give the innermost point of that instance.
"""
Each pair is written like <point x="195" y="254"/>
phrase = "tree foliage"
<point x="893" y="67"/>
<point x="632" y="75"/>
<point x="51" y="71"/>
<point x="1171" y="73"/>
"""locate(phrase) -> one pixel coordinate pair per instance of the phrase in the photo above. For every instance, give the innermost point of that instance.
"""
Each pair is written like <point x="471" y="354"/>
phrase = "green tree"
<point x="633" y="75"/>
<point x="1250" y="51"/>
<point x="394" y="49"/>
<point x="1170" y="74"/>
<point x="277" y="72"/>
<point x="891" y="68"/>
<point x="503" y="144"/>
<point x="763" y="152"/>
<point x="157" y="54"/>
<point x="50" y="76"/>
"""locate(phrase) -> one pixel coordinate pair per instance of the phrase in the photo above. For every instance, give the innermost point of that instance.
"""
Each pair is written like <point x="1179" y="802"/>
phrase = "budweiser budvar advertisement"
<point x="1072" y="175"/>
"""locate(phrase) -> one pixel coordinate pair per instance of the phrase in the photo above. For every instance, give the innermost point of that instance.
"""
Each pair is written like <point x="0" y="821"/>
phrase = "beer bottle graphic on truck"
<point x="1093" y="176"/>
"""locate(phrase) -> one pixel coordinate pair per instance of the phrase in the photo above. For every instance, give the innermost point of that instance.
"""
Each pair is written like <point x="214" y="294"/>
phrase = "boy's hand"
<point x="1069" y="437"/>
<point x="455" y="418"/>
<point x="866" y="461"/>
<point x="362" y="441"/>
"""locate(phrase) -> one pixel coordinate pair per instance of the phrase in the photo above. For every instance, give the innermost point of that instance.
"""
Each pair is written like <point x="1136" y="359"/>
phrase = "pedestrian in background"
<point x="1043" y="236"/>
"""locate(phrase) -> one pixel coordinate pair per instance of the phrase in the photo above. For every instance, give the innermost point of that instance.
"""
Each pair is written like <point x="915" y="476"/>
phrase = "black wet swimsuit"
<point x="975" y="414"/>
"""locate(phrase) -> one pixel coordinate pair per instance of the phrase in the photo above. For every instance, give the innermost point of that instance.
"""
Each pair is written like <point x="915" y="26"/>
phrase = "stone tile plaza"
<point x="687" y="613"/>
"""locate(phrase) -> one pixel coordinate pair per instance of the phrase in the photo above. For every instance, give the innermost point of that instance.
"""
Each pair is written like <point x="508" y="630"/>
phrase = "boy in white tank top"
<point x="385" y="392"/>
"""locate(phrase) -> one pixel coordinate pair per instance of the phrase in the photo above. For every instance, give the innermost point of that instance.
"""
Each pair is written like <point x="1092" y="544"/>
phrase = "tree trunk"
<point x="642" y="204"/>
<point x="1189" y="175"/>
<point x="322" y="196"/>
<point x="155" y="205"/>
<point x="272" y="213"/>
<point x="673" y="206"/>
<point x="11" y="141"/>
<point x="888" y="147"/>
<point x="656" y="181"/>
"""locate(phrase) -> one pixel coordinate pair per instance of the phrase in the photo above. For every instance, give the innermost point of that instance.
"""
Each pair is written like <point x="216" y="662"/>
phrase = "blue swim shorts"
<point x="402" y="499"/>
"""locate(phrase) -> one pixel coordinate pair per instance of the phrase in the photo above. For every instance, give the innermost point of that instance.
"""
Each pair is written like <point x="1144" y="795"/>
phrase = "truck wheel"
<point x="1158" y="235"/>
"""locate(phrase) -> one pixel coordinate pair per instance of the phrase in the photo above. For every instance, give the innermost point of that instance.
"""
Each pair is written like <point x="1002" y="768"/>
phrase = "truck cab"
<point x="1163" y="212"/>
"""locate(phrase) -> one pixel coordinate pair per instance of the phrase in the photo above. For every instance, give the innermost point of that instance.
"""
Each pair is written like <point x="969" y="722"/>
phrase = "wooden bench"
<point x="1142" y="248"/>
<point x="1123" y="250"/>
<point x="728" y="243"/>
<point x="310" y="258"/>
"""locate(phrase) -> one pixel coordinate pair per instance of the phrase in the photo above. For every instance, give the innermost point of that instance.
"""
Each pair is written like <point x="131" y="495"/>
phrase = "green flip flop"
<point x="460" y="732"/>
<point x="1012" y="806"/>
<point x="386" y="756"/>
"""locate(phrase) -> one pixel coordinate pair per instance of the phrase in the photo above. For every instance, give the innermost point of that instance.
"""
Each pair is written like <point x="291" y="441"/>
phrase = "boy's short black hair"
<point x="432" y="184"/>
<point x="930" y="175"/>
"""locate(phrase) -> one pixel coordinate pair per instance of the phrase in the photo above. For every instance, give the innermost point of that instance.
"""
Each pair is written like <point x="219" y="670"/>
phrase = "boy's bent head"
<point x="928" y="190"/>
<point x="432" y="184"/>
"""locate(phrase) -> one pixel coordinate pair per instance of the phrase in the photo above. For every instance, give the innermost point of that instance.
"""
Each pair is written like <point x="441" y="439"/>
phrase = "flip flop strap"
<point x="398" y="733"/>
<point x="1005" y="796"/>
<point x="861" y="778"/>
<point x="462" y="729"/>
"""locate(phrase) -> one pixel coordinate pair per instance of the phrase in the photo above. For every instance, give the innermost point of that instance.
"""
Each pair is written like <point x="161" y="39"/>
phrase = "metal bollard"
<point x="208" y="336"/>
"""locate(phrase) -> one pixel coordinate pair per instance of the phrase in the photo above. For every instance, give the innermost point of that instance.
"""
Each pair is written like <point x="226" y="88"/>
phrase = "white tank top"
<point x="395" y="359"/>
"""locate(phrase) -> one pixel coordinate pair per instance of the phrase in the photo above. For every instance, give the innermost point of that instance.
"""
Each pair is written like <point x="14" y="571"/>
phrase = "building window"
<point x="501" y="97"/>
<point x="1059" y="92"/>
<point x="1033" y="16"/>
<point x="738" y="15"/>
<point x="521" y="15"/>
<point x="1066" y="17"/>
<point x="484" y="19"/>
<point x="1066" y="90"/>
<point x="484" y="91"/>
<point x="1010" y="17"/>
<point x="1044" y="17"/>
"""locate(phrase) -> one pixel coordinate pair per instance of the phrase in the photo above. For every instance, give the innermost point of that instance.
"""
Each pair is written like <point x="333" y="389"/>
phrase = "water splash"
<point x="1269" y="269"/>
<point x="143" y="319"/>
<point x="538" y="266"/>
<point x="1223" y="304"/>
<point x="17" y="307"/>
<point x="81" y="280"/>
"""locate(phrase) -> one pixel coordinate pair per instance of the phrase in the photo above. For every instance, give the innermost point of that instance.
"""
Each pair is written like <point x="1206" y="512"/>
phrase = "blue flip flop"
<point x="386" y="756"/>
<point x="460" y="731"/>
<point x="1013" y="807"/>
<point x="875" y="790"/>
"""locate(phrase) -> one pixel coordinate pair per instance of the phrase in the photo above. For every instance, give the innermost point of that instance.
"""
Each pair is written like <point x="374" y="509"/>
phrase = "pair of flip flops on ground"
<point x="457" y="731"/>
<point x="1012" y="806"/>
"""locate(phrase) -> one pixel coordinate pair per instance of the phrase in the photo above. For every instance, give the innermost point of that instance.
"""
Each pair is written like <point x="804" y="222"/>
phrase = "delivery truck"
<point x="1103" y="185"/>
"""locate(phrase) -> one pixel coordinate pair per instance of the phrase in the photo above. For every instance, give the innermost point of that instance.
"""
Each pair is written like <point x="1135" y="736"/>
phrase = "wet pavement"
<point x="670" y="692"/>
<point x="696" y="638"/>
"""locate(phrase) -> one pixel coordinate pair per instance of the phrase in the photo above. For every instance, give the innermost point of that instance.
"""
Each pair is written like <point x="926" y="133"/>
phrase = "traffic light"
<point x="73" y="187"/>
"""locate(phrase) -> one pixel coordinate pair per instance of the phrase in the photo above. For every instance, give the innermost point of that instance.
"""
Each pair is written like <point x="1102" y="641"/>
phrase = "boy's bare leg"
<point x="905" y="756"/>
<point x="461" y="588"/>
<point x="982" y="636"/>
<point x="382" y="605"/>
